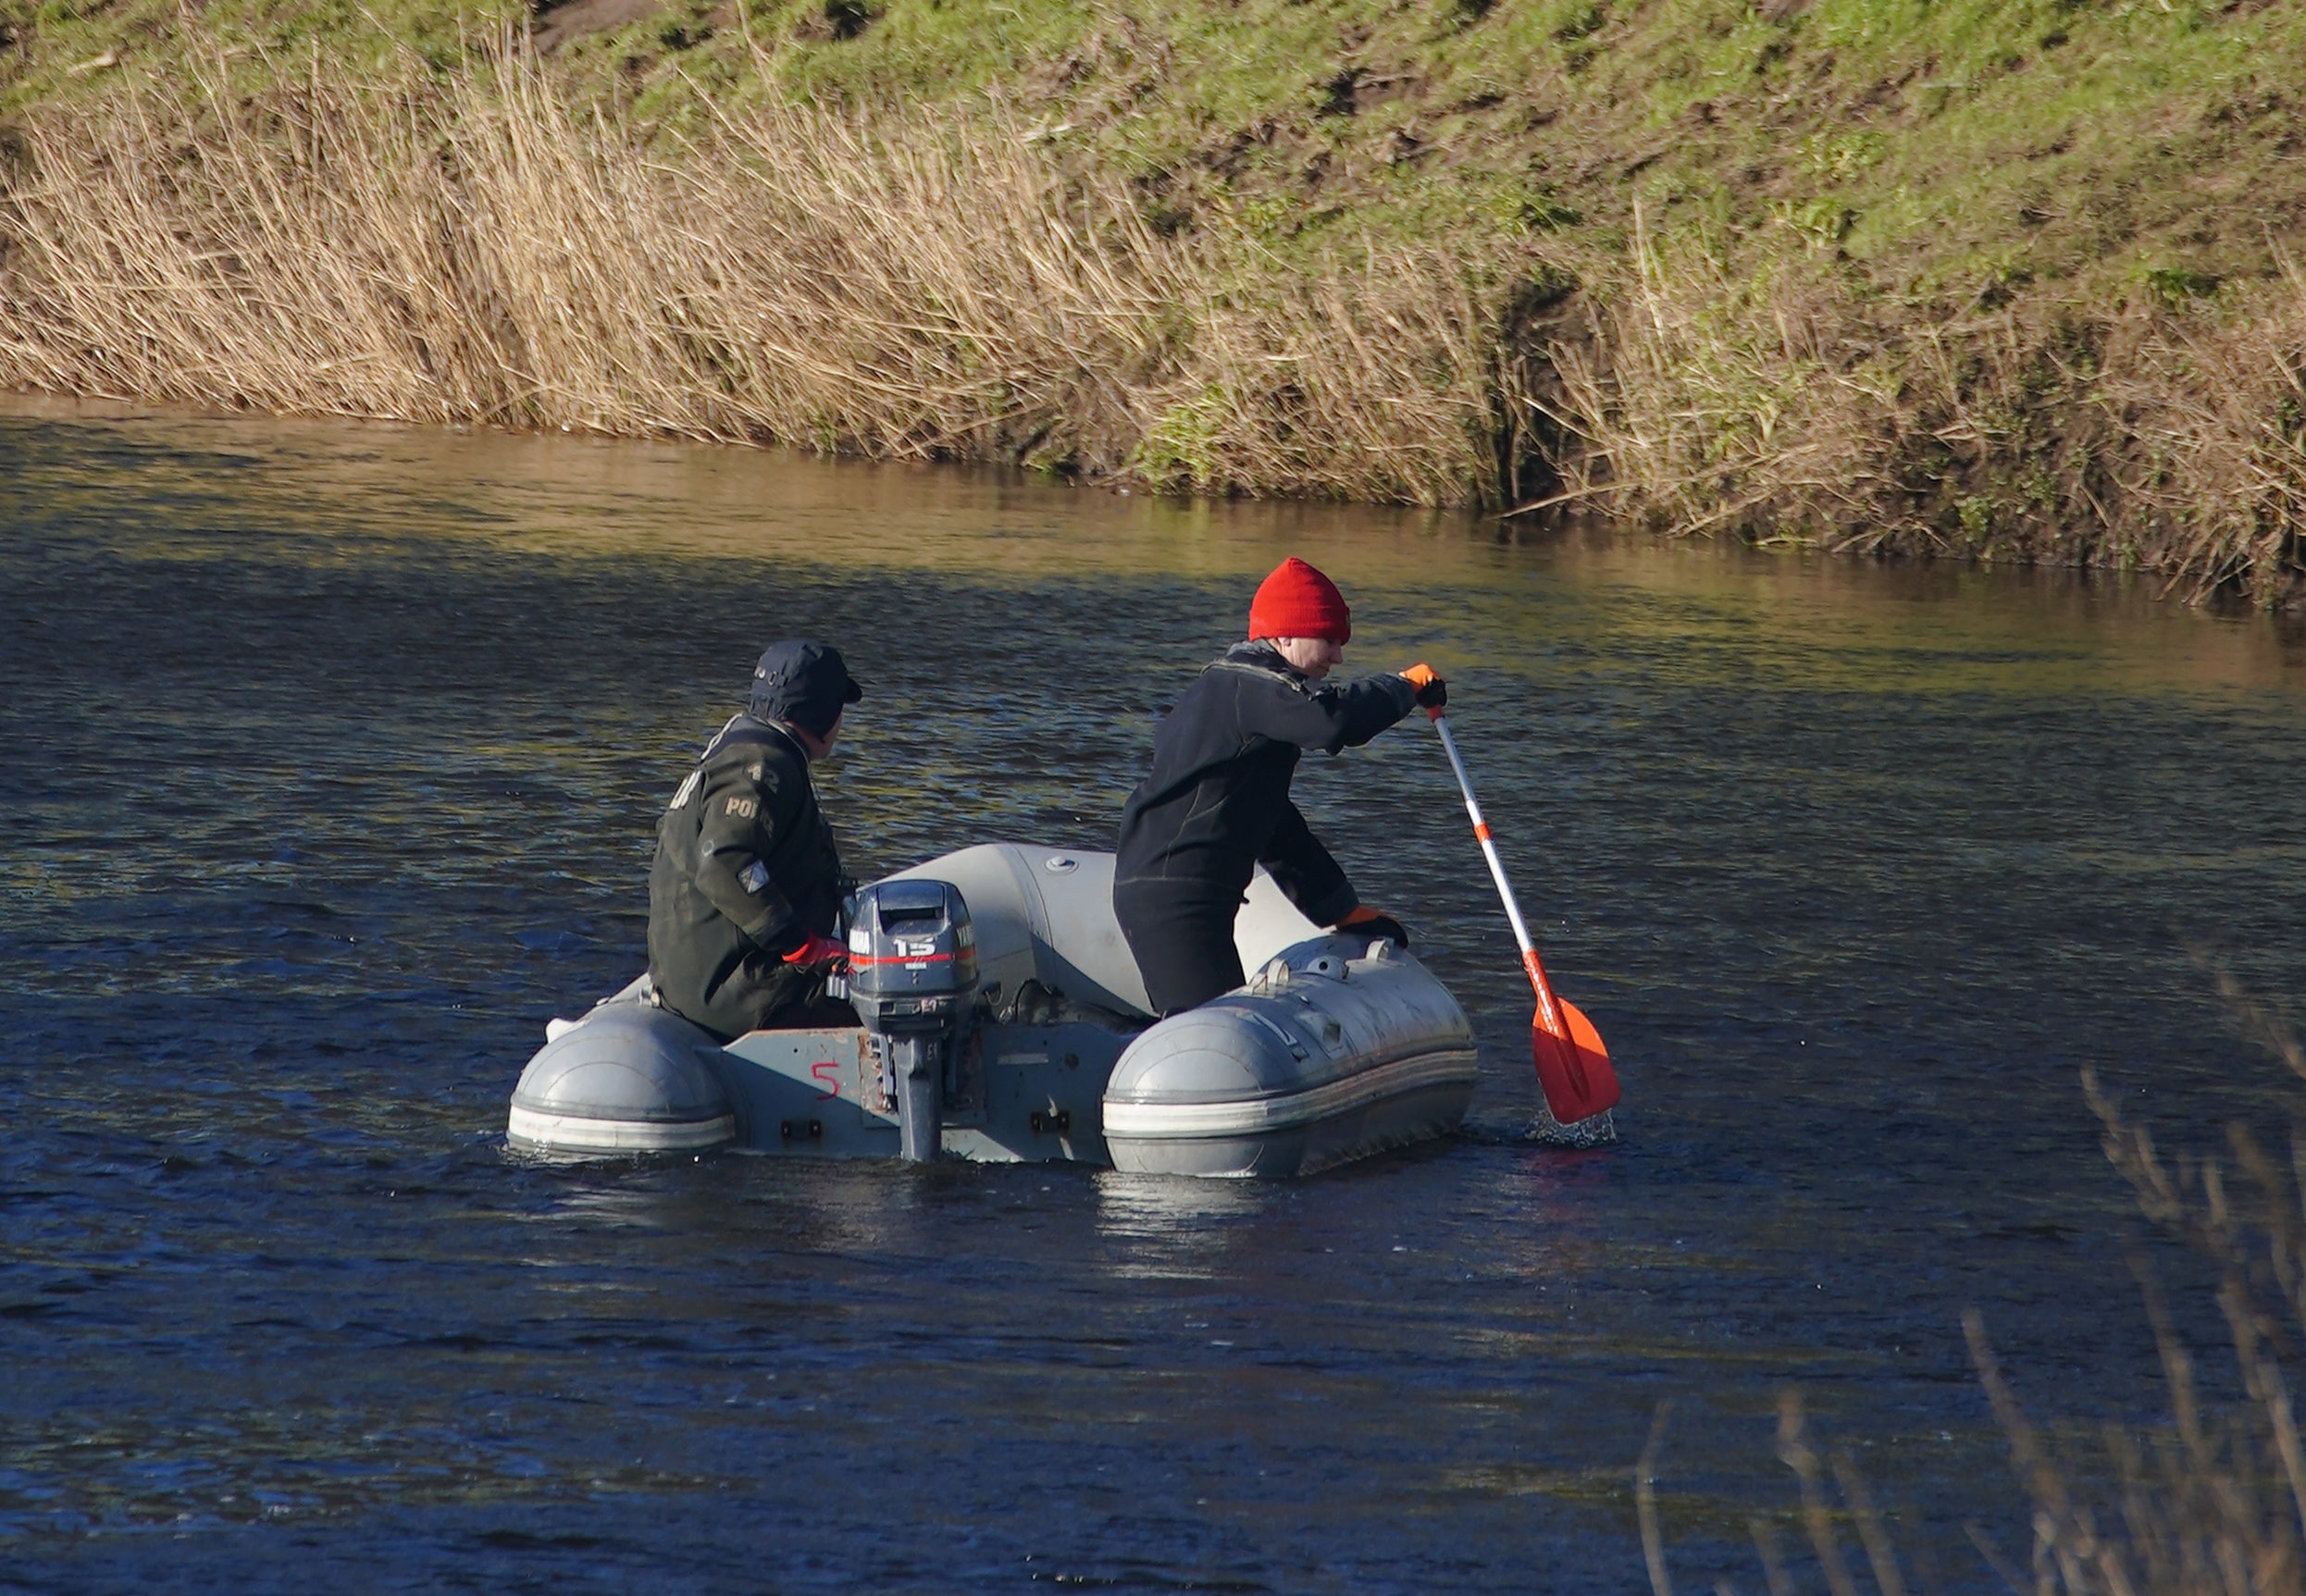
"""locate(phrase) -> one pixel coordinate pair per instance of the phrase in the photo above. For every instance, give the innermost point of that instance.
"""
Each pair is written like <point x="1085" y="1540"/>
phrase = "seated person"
<point x="748" y="883"/>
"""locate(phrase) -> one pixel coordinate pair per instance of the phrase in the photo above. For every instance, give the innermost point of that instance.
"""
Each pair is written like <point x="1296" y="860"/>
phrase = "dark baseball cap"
<point x="805" y="683"/>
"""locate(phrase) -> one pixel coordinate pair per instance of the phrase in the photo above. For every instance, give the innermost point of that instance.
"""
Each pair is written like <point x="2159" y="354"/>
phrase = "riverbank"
<point x="2011" y="284"/>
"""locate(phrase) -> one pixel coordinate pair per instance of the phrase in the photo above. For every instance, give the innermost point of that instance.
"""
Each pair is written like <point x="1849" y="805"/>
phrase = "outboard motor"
<point x="913" y="977"/>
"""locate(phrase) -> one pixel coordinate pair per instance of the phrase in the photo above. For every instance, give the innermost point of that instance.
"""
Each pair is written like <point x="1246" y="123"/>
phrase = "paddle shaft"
<point x="1549" y="1013"/>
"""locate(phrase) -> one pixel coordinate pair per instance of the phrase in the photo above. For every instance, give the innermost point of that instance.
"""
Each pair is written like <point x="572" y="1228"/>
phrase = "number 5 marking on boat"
<point x="827" y="1074"/>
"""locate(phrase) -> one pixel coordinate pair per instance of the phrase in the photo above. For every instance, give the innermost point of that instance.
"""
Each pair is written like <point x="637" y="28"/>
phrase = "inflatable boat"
<point x="1003" y="1019"/>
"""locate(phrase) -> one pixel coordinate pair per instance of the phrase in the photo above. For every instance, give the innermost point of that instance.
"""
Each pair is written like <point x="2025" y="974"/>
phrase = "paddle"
<point x="1572" y="1065"/>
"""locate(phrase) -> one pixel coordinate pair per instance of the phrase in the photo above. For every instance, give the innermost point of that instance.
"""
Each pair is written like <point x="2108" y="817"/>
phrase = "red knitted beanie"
<point x="1298" y="601"/>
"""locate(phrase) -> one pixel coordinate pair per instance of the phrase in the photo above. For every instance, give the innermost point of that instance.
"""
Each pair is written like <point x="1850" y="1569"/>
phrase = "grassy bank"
<point x="2006" y="280"/>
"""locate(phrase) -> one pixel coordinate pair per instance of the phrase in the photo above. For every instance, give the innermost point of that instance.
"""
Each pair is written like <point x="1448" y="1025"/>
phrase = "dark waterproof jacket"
<point x="1217" y="803"/>
<point x="745" y="868"/>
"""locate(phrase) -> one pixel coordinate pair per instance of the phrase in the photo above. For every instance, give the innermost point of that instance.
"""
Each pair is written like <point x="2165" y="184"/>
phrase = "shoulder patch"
<point x="741" y="806"/>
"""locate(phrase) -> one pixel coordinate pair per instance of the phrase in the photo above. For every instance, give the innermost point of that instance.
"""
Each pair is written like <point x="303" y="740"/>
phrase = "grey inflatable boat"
<point x="1004" y="1019"/>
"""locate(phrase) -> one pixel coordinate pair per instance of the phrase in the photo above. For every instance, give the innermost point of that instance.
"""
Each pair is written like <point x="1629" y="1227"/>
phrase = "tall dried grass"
<point x="1774" y="396"/>
<point x="1743" y="397"/>
<point x="2214" y="1503"/>
<point x="2210" y="1503"/>
<point x="480" y="249"/>
<point x="1832" y="1492"/>
<point x="2213" y="399"/>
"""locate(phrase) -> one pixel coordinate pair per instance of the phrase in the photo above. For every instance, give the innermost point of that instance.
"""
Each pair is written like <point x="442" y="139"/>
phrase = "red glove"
<point x="816" y="951"/>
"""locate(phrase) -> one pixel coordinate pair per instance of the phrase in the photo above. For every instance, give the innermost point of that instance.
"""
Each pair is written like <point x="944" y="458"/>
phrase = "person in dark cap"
<point x="1216" y="804"/>
<point x="747" y="882"/>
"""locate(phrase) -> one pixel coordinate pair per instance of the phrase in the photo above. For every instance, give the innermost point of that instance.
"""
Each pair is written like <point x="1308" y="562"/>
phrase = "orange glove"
<point x="1367" y="922"/>
<point x="1432" y="692"/>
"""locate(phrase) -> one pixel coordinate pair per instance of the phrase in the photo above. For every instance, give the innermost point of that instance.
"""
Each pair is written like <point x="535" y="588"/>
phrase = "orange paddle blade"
<point x="1574" y="1069"/>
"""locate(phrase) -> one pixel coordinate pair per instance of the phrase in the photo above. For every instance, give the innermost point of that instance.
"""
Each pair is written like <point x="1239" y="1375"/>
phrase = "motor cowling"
<point x="913" y="979"/>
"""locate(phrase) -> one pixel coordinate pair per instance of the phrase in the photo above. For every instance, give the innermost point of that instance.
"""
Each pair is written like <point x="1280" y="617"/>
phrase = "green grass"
<point x="1944" y="149"/>
<point x="1948" y="149"/>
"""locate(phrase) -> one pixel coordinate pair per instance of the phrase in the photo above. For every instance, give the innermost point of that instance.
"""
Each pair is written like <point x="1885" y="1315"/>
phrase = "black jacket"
<point x="745" y="868"/>
<point x="1216" y="802"/>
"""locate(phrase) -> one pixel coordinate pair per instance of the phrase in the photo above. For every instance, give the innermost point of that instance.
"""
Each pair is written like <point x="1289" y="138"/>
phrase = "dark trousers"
<point x="1182" y="942"/>
<point x="785" y="1000"/>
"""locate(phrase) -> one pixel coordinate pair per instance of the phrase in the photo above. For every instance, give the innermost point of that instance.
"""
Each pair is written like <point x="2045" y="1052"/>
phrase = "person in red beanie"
<point x="1216" y="804"/>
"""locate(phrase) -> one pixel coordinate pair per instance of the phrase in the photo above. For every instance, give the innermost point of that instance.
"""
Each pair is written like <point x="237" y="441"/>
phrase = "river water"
<point x="330" y="756"/>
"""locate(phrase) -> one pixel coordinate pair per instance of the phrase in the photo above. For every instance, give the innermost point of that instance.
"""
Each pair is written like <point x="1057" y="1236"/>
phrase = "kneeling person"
<point x="1216" y="804"/>
<point x="748" y="883"/>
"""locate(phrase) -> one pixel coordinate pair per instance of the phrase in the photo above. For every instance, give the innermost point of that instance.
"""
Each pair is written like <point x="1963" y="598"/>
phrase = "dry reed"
<point x="2213" y="399"/>
<point x="480" y="249"/>
<point x="1714" y="395"/>
<point x="1771" y="395"/>
<point x="2210" y="1503"/>
<point x="2214" y="1502"/>
<point x="477" y="248"/>
<point x="1832" y="1492"/>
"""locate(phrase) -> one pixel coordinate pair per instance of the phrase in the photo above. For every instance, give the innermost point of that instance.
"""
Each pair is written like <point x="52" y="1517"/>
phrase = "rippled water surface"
<point x="328" y="758"/>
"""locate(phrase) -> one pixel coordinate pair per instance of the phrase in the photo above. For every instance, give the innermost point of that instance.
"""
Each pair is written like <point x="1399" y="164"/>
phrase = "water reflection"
<point x="640" y="1204"/>
<point x="312" y="492"/>
<point x="1161" y="1228"/>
